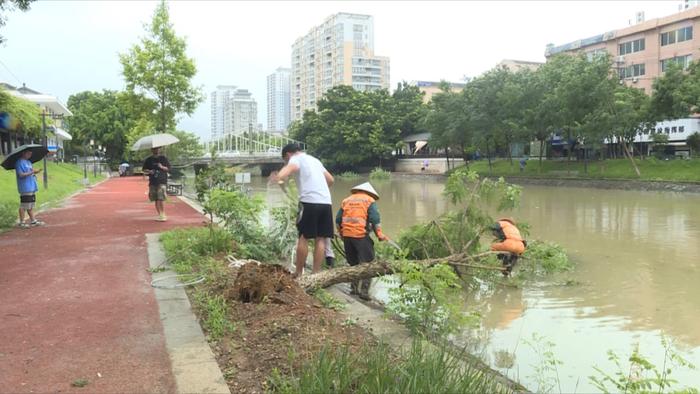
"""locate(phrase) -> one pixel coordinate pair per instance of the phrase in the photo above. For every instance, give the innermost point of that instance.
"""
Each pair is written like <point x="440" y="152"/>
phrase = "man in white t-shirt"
<point x="315" y="218"/>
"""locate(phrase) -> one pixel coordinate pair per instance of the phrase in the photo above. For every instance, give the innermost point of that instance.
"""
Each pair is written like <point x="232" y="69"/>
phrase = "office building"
<point x="340" y="51"/>
<point x="642" y="52"/>
<point x="278" y="100"/>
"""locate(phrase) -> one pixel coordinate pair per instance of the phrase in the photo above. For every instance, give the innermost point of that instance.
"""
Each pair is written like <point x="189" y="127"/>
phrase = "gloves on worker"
<point x="380" y="235"/>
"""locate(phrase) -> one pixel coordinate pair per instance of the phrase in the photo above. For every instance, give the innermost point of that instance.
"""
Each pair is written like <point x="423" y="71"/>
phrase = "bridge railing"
<point x="254" y="144"/>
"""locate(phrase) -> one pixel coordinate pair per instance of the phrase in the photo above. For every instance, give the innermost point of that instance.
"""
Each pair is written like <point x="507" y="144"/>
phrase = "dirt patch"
<point x="278" y="326"/>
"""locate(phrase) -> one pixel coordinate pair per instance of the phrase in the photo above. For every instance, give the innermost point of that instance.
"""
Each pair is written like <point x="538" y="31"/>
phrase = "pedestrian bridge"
<point x="247" y="148"/>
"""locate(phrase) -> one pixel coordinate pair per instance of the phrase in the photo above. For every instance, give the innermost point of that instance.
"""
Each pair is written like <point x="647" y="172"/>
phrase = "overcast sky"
<point x="65" y="47"/>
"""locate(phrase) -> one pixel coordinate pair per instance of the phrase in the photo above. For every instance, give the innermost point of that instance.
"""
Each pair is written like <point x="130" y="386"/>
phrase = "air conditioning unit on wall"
<point x="620" y="59"/>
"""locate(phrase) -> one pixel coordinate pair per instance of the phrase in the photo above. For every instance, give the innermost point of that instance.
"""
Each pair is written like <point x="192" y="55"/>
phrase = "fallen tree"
<point x="334" y="276"/>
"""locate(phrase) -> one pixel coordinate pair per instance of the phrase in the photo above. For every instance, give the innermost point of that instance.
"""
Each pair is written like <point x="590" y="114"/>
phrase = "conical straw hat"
<point x="367" y="188"/>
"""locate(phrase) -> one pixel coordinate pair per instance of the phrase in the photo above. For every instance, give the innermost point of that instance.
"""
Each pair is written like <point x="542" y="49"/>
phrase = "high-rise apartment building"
<point x="643" y="51"/>
<point x="233" y="111"/>
<point x="219" y="102"/>
<point x="278" y="100"/>
<point x="340" y="51"/>
<point x="244" y="112"/>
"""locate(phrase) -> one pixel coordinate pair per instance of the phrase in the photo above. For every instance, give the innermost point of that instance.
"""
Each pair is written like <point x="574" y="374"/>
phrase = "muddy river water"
<point x="637" y="277"/>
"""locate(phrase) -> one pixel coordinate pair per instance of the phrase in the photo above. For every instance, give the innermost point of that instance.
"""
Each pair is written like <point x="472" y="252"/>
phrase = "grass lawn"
<point x="651" y="169"/>
<point x="64" y="180"/>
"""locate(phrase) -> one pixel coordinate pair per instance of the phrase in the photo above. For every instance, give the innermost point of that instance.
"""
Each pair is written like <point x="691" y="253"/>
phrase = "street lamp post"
<point x="46" y="141"/>
<point x="46" y="146"/>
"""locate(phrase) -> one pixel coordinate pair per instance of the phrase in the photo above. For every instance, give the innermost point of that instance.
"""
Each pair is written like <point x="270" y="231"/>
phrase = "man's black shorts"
<point x="315" y="220"/>
<point x="358" y="250"/>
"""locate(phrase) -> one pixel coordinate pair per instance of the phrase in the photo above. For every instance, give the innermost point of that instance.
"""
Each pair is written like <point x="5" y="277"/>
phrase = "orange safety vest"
<point x="355" y="207"/>
<point x="513" y="242"/>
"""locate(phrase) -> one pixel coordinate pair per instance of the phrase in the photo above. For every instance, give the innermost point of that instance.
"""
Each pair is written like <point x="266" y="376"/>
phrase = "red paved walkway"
<point x="75" y="296"/>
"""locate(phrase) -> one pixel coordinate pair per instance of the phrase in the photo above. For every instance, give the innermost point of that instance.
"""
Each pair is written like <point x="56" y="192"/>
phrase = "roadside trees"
<point x="159" y="67"/>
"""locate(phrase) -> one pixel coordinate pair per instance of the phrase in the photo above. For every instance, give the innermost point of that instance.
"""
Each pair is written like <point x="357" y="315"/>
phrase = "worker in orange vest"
<point x="510" y="240"/>
<point x="357" y="217"/>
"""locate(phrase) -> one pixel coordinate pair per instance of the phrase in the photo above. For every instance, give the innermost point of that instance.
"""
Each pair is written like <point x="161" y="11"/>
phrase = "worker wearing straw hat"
<point x="509" y="240"/>
<point x="357" y="217"/>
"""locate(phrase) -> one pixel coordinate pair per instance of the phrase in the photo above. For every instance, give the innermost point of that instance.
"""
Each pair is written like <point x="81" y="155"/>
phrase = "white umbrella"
<point x="154" y="141"/>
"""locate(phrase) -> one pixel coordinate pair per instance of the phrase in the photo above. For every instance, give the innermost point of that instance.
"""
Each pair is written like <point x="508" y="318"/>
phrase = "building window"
<point x="685" y="34"/>
<point x="680" y="35"/>
<point x="634" y="70"/>
<point x="667" y="130"/>
<point x="632" y="46"/>
<point x="681" y="129"/>
<point x="590" y="55"/>
<point x="673" y="129"/>
<point x="683" y="61"/>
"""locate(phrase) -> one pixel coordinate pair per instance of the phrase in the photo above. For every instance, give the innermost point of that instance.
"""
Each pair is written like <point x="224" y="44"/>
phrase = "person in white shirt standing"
<point x="315" y="218"/>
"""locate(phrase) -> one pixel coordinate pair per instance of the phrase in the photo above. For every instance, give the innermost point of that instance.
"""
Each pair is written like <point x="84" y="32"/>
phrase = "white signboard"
<point x="243" y="177"/>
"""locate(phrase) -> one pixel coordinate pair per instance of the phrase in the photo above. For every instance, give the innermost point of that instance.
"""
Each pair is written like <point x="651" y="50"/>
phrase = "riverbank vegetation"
<point x="64" y="180"/>
<point x="378" y="174"/>
<point x="252" y="310"/>
<point x="651" y="169"/>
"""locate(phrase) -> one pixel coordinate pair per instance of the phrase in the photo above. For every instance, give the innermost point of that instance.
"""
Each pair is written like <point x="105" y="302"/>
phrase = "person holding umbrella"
<point x="156" y="167"/>
<point x="21" y="161"/>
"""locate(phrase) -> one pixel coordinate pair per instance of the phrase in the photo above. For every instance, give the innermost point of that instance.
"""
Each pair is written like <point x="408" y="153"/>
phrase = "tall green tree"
<point x="693" y="142"/>
<point x="106" y="117"/>
<point x="160" y="69"/>
<point x="409" y="109"/>
<point x="350" y="128"/>
<point x="630" y="116"/>
<point x="11" y="5"/>
<point x="668" y="100"/>
<point x="449" y="120"/>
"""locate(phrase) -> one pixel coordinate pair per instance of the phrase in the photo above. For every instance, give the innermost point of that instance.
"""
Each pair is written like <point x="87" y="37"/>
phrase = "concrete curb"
<point x="193" y="364"/>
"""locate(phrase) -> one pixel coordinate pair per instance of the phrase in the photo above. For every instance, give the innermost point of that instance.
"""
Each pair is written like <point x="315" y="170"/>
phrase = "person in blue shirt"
<point x="27" y="187"/>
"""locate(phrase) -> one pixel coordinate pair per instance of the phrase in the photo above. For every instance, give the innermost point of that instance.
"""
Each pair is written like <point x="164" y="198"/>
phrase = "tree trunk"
<point x="447" y="157"/>
<point x="510" y="152"/>
<point x="488" y="156"/>
<point x="541" y="152"/>
<point x="571" y="148"/>
<point x="334" y="276"/>
<point x="629" y="155"/>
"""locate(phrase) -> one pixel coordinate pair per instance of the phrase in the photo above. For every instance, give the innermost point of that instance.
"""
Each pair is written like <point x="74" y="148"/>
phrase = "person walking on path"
<point x="27" y="187"/>
<point x="157" y="167"/>
<point x="357" y="217"/>
<point x="315" y="217"/>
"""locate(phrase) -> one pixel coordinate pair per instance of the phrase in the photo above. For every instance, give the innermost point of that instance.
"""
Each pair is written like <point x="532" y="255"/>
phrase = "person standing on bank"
<point x="157" y="167"/>
<point x="357" y="217"/>
<point x="27" y="187"/>
<point x="315" y="218"/>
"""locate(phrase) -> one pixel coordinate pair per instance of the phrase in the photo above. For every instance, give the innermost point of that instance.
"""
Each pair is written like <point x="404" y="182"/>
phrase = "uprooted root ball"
<point x="257" y="283"/>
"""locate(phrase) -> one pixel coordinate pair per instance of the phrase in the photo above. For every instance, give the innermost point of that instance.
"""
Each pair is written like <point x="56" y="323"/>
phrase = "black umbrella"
<point x="38" y="153"/>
